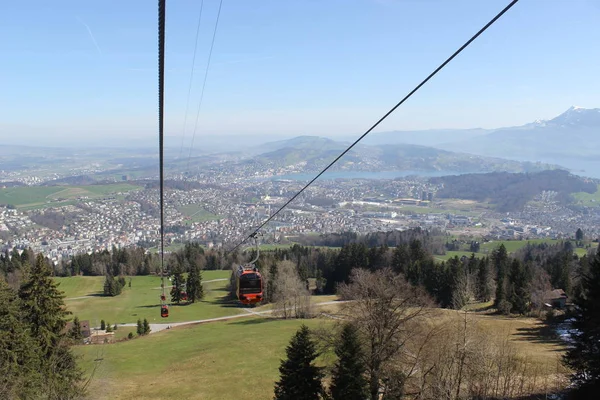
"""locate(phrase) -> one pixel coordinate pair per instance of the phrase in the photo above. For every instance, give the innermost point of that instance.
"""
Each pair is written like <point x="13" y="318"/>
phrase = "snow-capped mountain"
<point x="574" y="133"/>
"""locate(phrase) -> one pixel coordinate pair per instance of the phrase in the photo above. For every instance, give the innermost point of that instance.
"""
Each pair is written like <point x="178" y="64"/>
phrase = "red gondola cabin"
<point x="164" y="311"/>
<point x="249" y="286"/>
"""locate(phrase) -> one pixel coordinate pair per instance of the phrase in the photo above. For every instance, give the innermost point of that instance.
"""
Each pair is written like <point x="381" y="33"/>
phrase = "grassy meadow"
<point x="588" y="199"/>
<point x="29" y="197"/>
<point x="239" y="359"/>
<point x="222" y="360"/>
<point x="511" y="247"/>
<point x="196" y="213"/>
<point x="142" y="300"/>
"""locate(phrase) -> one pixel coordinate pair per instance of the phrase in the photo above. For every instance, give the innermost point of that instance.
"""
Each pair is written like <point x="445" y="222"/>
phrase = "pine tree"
<point x="584" y="355"/>
<point x="75" y="331"/>
<point x="195" y="291"/>
<point x="500" y="260"/>
<point x="44" y="312"/>
<point x="19" y="363"/>
<point x="102" y="325"/>
<point x="177" y="284"/>
<point x="519" y="295"/>
<point x="484" y="280"/>
<point x="146" y="327"/>
<point x="299" y="379"/>
<point x="348" y="381"/>
<point x="140" y="328"/>
<point x="401" y="259"/>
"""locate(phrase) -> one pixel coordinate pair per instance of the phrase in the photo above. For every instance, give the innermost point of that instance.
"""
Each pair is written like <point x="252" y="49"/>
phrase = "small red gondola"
<point x="164" y="311"/>
<point x="163" y="297"/>
<point x="249" y="285"/>
<point x="184" y="296"/>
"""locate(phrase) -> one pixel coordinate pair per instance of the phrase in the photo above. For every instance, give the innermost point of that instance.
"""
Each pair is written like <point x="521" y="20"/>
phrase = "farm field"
<point x="41" y="196"/>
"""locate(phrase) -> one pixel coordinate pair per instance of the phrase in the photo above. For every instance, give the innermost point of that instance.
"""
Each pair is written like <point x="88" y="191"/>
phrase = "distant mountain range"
<point x="568" y="141"/>
<point x="573" y="133"/>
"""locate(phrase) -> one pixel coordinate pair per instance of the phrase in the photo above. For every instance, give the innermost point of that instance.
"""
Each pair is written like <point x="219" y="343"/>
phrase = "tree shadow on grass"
<point x="254" y="321"/>
<point x="225" y="302"/>
<point x="543" y="333"/>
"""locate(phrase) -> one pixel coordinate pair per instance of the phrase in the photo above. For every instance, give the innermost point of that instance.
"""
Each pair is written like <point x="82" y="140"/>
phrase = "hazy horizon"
<point x="77" y="71"/>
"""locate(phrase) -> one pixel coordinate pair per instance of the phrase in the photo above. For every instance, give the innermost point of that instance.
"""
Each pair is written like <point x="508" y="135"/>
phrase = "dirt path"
<point x="249" y="313"/>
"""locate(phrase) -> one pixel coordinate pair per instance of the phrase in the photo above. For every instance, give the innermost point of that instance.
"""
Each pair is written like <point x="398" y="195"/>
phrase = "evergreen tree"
<point x="44" y="312"/>
<point x="500" y="261"/>
<point x="299" y="379"/>
<point x="195" y="291"/>
<point x="459" y="281"/>
<point x="146" y="327"/>
<point x="108" y="327"/>
<point x="579" y="235"/>
<point x="348" y="381"/>
<point x="140" y="328"/>
<point x="519" y="295"/>
<point x="75" y="331"/>
<point x="584" y="355"/>
<point x="400" y="259"/>
<point x="178" y="283"/>
<point x="102" y="325"/>
<point x="484" y="280"/>
<point x="19" y="363"/>
<point x="112" y="286"/>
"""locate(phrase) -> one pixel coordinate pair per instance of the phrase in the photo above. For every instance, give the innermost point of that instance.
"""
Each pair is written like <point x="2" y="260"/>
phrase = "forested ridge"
<point x="511" y="191"/>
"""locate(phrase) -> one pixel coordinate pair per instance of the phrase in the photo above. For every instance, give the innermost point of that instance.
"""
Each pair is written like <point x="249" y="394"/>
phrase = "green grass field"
<point x="587" y="199"/>
<point x="40" y="196"/>
<point x="196" y="213"/>
<point x="240" y="359"/>
<point x="19" y="196"/>
<point x="222" y="360"/>
<point x="141" y="300"/>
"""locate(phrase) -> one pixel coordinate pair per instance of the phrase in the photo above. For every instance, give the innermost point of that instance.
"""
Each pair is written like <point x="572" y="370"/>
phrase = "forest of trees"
<point x="366" y="270"/>
<point x="517" y="283"/>
<point x="510" y="191"/>
<point x="389" y="343"/>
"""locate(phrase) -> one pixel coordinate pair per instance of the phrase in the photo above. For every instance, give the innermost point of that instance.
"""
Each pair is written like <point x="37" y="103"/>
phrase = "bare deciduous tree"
<point x="387" y="310"/>
<point x="292" y="299"/>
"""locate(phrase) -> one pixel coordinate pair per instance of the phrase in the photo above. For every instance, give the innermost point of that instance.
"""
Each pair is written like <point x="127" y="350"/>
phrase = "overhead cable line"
<point x="161" y="102"/>
<point x="438" y="69"/>
<point x="187" y="103"/>
<point x="204" y="83"/>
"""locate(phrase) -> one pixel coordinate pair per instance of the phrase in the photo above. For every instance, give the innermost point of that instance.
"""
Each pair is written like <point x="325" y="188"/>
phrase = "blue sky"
<point x="75" y="69"/>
